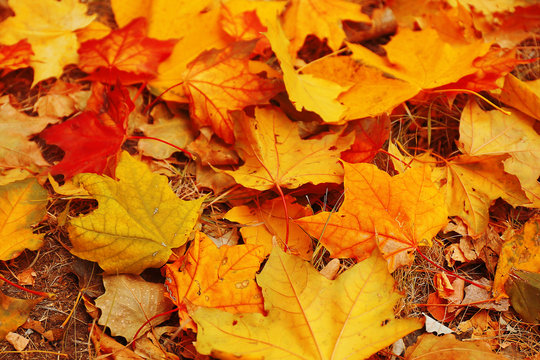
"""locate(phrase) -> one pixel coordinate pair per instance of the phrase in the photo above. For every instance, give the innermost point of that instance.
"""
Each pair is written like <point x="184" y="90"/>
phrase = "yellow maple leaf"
<point x="266" y="224"/>
<point x="522" y="95"/>
<point x="221" y="278"/>
<point x="472" y="184"/>
<point x="520" y="251"/>
<point x="397" y="214"/>
<point x="494" y="133"/>
<point x="321" y="18"/>
<point x="309" y="316"/>
<point x="49" y="27"/>
<point x="378" y="92"/>
<point x="138" y="221"/>
<point x="305" y="90"/>
<point x="275" y="155"/>
<point x="423" y="59"/>
<point x="22" y="204"/>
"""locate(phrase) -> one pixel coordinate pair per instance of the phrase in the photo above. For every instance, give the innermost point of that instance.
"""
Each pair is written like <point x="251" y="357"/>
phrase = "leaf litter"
<point x="444" y="185"/>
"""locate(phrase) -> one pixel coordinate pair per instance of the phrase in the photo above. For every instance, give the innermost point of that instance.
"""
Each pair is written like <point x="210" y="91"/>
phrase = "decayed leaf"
<point x="22" y="204"/>
<point x="16" y="151"/>
<point x="274" y="154"/>
<point x="221" y="278"/>
<point x="93" y="139"/>
<point x="524" y="96"/>
<point x="520" y="251"/>
<point x="129" y="301"/>
<point x="523" y="287"/>
<point x="494" y="133"/>
<point x="423" y="59"/>
<point x="49" y="27"/>
<point x="107" y="346"/>
<point x="431" y="347"/>
<point x="472" y="184"/>
<point x="266" y="223"/>
<point x="397" y="214"/>
<point x="14" y="312"/>
<point x="15" y="56"/>
<point x="138" y="221"/>
<point x="321" y="18"/>
<point x="219" y="81"/>
<point x="125" y="55"/>
<point x="309" y="316"/>
<point x="305" y="90"/>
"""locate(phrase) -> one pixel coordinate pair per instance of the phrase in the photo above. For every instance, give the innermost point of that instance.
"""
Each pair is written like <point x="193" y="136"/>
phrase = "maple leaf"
<point x="16" y="151"/>
<point x="221" y="278"/>
<point x="472" y="184"/>
<point x="320" y="18"/>
<point x="22" y="204"/>
<point x="125" y="55"/>
<point x="275" y="155"/>
<point x="423" y="59"/>
<point x="397" y="214"/>
<point x="220" y="81"/>
<point x="524" y="96"/>
<point x="14" y="312"/>
<point x="494" y="133"/>
<point x="309" y="316"/>
<point x="138" y="221"/>
<point x="128" y="302"/>
<point x="447" y="347"/>
<point x="305" y="90"/>
<point x="370" y="135"/>
<point x="15" y="56"/>
<point x="48" y="26"/>
<point x="379" y="93"/>
<point x="265" y="224"/>
<point x="175" y="129"/>
<point x="92" y="139"/>
<point x="162" y="15"/>
<point x="520" y="251"/>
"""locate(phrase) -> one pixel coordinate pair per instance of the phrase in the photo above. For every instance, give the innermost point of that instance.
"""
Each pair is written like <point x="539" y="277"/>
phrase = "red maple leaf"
<point x="15" y="56"/>
<point x="125" y="55"/>
<point x="92" y="140"/>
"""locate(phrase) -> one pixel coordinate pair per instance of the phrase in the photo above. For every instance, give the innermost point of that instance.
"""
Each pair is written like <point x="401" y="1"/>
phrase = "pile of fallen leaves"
<point x="312" y="179"/>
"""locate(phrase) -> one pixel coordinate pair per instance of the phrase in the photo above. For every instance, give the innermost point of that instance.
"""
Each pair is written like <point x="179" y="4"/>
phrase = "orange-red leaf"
<point x="125" y="55"/>
<point x="219" y="81"/>
<point x="15" y="56"/>
<point x="371" y="134"/>
<point x="92" y="139"/>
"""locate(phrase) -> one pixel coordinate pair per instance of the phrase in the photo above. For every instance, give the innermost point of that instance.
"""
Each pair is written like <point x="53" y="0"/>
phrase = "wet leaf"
<point x="129" y="302"/>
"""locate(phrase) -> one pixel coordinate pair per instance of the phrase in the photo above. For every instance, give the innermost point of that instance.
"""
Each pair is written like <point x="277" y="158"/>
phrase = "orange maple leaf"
<point x="15" y="56"/>
<point x="221" y="278"/>
<point x="219" y="81"/>
<point x="125" y="55"/>
<point x="397" y="214"/>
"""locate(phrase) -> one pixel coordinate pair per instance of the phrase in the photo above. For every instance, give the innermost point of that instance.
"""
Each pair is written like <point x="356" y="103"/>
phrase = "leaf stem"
<point x="450" y="272"/>
<point x="38" y="293"/>
<point x="163" y="141"/>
